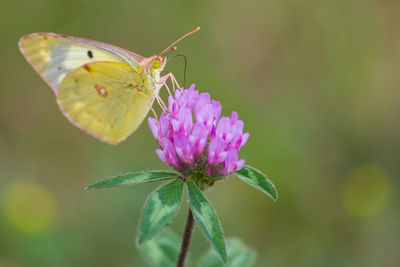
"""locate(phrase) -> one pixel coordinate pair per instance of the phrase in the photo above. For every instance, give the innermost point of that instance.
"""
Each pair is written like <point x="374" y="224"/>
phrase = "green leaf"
<point x="207" y="220"/>
<point x="160" y="209"/>
<point x="254" y="177"/>
<point x="132" y="179"/>
<point x="161" y="251"/>
<point x="238" y="255"/>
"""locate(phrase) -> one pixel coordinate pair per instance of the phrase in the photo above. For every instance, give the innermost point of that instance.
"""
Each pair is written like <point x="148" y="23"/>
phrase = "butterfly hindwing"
<point x="54" y="56"/>
<point x="106" y="99"/>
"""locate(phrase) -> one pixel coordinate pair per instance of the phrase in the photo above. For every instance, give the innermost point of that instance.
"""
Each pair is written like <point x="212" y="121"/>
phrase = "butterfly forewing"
<point x="106" y="99"/>
<point x="53" y="56"/>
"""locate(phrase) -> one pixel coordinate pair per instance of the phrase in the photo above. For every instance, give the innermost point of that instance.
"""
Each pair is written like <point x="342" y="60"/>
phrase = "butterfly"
<point x="103" y="89"/>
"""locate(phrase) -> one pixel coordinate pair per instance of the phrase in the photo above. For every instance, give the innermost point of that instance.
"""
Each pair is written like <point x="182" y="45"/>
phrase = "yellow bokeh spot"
<point x="29" y="207"/>
<point x="365" y="190"/>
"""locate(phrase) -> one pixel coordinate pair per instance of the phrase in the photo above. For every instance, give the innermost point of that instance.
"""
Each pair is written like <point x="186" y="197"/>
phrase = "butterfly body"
<point x="105" y="90"/>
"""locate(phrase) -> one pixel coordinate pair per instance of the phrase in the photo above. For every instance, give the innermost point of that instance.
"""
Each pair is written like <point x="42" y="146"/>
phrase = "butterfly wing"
<point x="53" y="56"/>
<point x="108" y="100"/>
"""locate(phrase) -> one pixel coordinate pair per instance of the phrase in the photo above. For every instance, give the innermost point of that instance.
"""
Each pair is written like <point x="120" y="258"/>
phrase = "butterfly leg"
<point x="163" y="80"/>
<point x="159" y="101"/>
<point x="150" y="103"/>
<point x="174" y="81"/>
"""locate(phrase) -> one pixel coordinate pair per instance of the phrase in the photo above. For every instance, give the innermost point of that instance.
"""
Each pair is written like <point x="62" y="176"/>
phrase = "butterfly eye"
<point x="156" y="64"/>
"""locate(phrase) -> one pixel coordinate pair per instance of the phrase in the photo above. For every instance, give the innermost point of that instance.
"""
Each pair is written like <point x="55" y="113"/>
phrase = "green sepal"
<point x="160" y="208"/>
<point x="255" y="178"/>
<point x="161" y="251"/>
<point x="133" y="179"/>
<point x="238" y="255"/>
<point x="207" y="219"/>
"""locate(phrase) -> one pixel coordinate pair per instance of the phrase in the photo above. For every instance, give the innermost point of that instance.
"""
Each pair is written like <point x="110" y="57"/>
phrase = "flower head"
<point x="194" y="140"/>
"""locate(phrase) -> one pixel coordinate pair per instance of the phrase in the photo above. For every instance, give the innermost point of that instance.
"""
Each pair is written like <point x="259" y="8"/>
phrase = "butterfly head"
<point x="157" y="63"/>
<point x="154" y="65"/>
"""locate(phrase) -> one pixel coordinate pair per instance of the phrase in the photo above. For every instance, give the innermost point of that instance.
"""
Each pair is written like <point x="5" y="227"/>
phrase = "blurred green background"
<point x="316" y="83"/>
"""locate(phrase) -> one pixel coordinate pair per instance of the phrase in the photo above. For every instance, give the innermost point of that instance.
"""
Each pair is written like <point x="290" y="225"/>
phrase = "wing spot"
<point x="101" y="90"/>
<point x="90" y="54"/>
<point x="87" y="68"/>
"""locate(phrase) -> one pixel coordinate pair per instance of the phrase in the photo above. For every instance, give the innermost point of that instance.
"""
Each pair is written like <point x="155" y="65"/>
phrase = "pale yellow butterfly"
<point x="105" y="90"/>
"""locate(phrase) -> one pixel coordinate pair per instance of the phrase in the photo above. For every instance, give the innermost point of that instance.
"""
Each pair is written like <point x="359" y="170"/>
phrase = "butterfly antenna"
<point x="172" y="46"/>
<point x="184" y="72"/>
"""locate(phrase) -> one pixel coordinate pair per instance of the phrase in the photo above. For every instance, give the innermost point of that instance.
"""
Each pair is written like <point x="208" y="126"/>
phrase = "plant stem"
<point x="186" y="239"/>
